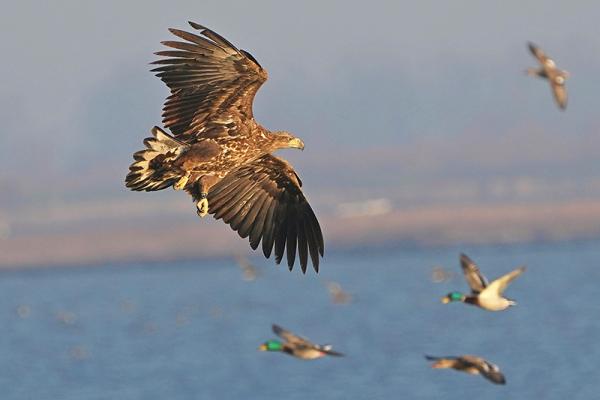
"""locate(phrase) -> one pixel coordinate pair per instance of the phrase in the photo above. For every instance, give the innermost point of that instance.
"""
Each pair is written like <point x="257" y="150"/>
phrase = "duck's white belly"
<point x="493" y="303"/>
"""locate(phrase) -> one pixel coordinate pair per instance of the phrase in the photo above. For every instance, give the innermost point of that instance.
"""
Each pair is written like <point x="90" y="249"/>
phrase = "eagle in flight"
<point x="220" y="155"/>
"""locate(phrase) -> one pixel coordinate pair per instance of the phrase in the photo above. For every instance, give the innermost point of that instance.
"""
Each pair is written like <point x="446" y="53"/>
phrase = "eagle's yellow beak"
<point x="445" y="300"/>
<point x="262" y="347"/>
<point x="296" y="143"/>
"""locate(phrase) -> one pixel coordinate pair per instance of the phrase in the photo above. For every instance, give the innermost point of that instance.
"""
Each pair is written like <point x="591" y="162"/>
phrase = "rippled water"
<point x="191" y="330"/>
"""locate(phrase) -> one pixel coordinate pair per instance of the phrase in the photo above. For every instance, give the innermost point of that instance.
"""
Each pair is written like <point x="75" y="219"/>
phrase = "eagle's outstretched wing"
<point x="264" y="200"/>
<point x="434" y="358"/>
<point x="208" y="78"/>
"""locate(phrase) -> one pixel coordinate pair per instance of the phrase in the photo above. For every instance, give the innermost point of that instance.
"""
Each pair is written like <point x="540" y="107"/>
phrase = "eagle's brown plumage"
<point x="207" y="76"/>
<point x="220" y="153"/>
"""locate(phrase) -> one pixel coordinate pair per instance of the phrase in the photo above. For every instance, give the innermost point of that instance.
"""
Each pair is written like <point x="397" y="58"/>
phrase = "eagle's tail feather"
<point x="151" y="169"/>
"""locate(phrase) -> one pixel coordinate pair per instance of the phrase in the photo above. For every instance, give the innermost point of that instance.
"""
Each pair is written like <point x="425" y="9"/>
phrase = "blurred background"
<point x="423" y="136"/>
<point x="419" y="122"/>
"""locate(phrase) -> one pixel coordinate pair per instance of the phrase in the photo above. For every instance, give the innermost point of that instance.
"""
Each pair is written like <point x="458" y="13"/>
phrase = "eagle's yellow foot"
<point x="202" y="206"/>
<point x="180" y="184"/>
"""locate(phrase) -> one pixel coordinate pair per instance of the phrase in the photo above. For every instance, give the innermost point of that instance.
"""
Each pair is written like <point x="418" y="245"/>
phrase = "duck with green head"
<point x="297" y="346"/>
<point x="483" y="294"/>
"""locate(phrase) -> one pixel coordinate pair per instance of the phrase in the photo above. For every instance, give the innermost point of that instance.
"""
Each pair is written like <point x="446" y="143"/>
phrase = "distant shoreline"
<point x="147" y="240"/>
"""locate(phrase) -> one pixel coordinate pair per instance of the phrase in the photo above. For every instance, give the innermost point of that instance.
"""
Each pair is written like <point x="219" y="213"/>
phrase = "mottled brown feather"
<point x="288" y="224"/>
<point x="259" y="223"/>
<point x="251" y="217"/>
<point x="292" y="236"/>
<point x="269" y="231"/>
<point x="302" y="243"/>
<point x="208" y="76"/>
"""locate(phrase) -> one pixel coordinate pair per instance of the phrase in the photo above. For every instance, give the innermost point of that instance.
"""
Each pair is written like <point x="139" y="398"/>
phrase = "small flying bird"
<point x="483" y="295"/>
<point x="548" y="70"/>
<point x="250" y="272"/>
<point x="297" y="346"/>
<point x="471" y="365"/>
<point x="23" y="311"/>
<point x="338" y="294"/>
<point x="440" y="274"/>
<point x="66" y="317"/>
<point x="220" y="155"/>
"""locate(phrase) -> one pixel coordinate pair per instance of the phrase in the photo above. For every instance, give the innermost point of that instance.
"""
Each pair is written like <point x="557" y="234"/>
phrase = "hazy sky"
<point x="422" y="89"/>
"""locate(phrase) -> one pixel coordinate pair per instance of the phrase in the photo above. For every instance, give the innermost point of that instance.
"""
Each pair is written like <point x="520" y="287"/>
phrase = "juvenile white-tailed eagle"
<point x="220" y="155"/>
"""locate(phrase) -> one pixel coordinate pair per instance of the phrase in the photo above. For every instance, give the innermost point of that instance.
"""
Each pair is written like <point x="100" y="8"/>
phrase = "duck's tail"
<point x="328" y="349"/>
<point x="152" y="169"/>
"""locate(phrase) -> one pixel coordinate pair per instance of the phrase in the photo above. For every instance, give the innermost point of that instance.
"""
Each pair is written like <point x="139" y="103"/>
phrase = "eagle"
<point x="220" y="155"/>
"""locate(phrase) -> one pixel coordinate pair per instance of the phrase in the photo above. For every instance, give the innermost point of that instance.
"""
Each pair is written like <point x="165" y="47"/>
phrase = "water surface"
<point x="191" y="329"/>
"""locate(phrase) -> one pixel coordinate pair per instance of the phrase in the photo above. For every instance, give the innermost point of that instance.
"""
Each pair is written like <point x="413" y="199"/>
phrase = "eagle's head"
<point x="285" y="140"/>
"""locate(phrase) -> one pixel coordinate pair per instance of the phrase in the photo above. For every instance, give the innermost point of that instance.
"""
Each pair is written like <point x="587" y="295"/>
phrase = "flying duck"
<point x="297" y="346"/>
<point x="483" y="295"/>
<point x="471" y="365"/>
<point x="549" y="70"/>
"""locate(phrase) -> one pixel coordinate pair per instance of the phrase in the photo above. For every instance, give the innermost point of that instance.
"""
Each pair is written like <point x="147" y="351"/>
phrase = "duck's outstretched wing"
<point x="499" y="285"/>
<point x="208" y="77"/>
<point x="537" y="53"/>
<point x="434" y="358"/>
<point x="263" y="200"/>
<point x="292" y="338"/>
<point x="477" y="282"/>
<point x="559" y="91"/>
<point x="485" y="368"/>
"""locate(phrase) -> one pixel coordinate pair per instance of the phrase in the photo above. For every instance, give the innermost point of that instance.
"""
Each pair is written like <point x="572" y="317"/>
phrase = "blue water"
<point x="191" y="330"/>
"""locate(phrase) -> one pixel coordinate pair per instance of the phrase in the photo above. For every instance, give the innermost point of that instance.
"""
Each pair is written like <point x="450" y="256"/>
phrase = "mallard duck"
<point x="471" y="365"/>
<point x="548" y="70"/>
<point x="297" y="346"/>
<point x="483" y="295"/>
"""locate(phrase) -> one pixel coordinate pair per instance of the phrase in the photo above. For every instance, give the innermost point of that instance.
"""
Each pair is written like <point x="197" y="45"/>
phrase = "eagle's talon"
<point x="202" y="207"/>
<point x="180" y="184"/>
